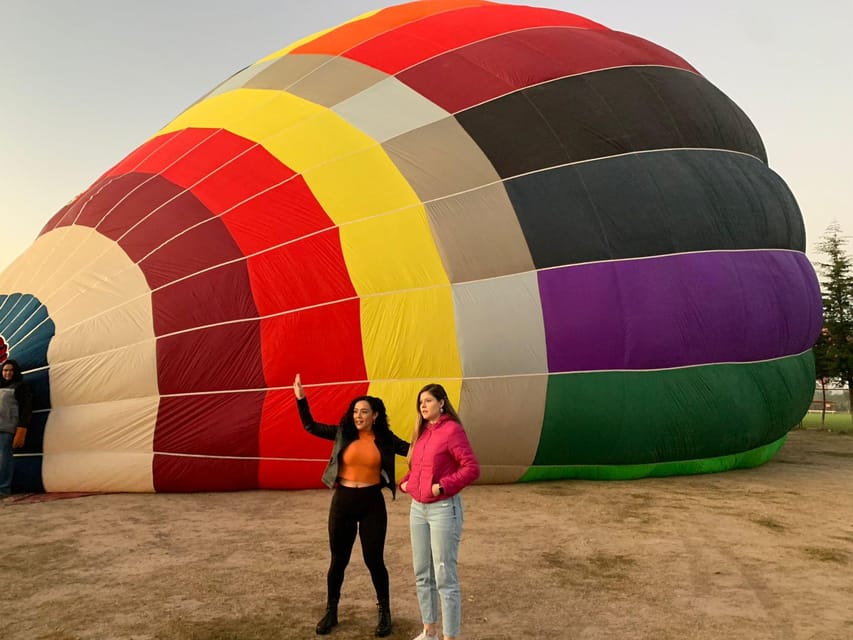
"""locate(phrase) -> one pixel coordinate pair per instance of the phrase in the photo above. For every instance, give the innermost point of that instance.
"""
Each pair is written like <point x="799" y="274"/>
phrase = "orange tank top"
<point x="361" y="461"/>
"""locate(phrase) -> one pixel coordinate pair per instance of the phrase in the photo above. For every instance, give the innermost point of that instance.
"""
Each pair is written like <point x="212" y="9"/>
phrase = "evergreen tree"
<point x="826" y="367"/>
<point x="834" y="352"/>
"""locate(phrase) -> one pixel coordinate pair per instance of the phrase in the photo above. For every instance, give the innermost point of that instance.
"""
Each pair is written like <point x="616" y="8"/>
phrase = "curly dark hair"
<point x="380" y="426"/>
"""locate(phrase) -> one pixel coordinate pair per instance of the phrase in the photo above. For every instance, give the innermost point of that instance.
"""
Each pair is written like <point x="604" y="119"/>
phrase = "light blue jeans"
<point x="436" y="532"/>
<point x="6" y="463"/>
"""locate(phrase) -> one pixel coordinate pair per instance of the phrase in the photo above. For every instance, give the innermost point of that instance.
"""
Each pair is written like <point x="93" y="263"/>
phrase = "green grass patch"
<point x="834" y="422"/>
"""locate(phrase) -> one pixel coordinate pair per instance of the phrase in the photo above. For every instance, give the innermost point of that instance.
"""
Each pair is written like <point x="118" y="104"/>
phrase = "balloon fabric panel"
<point x="653" y="204"/>
<point x="321" y="79"/>
<point x="604" y="114"/>
<point x="439" y="160"/>
<point x="343" y="37"/>
<point x="150" y="219"/>
<point x="478" y="234"/>
<point x="410" y="335"/>
<point x="412" y="111"/>
<point x="198" y="159"/>
<point x="506" y="312"/>
<point x="742" y="460"/>
<point x="504" y="450"/>
<point x="222" y="294"/>
<point x="222" y="424"/>
<point x="290" y="344"/>
<point x="181" y="474"/>
<point x="186" y="360"/>
<point x="181" y="257"/>
<point x="640" y="417"/>
<point x="396" y="50"/>
<point x="680" y="310"/>
<point x="25" y="322"/>
<point x="328" y="281"/>
<point x="100" y="445"/>
<point x="488" y="69"/>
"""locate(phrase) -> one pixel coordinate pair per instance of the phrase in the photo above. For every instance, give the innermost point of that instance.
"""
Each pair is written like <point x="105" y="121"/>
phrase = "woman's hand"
<point x="298" y="391"/>
<point x="403" y="486"/>
<point x="20" y="438"/>
<point x="436" y="490"/>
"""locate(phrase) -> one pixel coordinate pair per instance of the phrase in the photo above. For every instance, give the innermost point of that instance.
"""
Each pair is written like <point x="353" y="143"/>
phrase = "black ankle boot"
<point x="383" y="627"/>
<point x="329" y="620"/>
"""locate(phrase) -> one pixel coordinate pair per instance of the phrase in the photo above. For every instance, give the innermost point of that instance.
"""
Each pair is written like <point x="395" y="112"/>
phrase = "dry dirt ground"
<point x="765" y="553"/>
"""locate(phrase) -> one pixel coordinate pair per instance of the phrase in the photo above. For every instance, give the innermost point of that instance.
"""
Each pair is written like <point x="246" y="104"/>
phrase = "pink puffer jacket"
<point x="441" y="455"/>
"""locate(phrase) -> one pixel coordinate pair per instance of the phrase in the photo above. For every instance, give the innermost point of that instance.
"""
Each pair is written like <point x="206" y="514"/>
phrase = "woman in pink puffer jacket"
<point x="441" y="464"/>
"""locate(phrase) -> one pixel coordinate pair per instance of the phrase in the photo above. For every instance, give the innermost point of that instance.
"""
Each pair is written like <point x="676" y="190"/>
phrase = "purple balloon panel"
<point x="680" y="310"/>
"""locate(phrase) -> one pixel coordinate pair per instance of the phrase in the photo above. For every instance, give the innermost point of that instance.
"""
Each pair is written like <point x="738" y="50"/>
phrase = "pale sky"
<point x="86" y="81"/>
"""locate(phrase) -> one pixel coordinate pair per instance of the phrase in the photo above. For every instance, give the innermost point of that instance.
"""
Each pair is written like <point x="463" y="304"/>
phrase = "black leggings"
<point x="362" y="511"/>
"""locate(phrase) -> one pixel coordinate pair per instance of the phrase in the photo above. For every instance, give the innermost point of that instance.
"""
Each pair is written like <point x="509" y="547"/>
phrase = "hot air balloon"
<point x="567" y="226"/>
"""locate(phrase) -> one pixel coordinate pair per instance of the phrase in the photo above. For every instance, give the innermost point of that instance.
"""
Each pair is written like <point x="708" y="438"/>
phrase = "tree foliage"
<point x="834" y="348"/>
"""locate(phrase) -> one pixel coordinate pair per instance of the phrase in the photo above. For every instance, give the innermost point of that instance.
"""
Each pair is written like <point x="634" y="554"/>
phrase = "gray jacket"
<point x="16" y="406"/>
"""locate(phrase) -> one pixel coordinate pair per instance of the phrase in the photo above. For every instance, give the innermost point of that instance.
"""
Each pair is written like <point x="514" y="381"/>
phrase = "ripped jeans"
<point x="436" y="530"/>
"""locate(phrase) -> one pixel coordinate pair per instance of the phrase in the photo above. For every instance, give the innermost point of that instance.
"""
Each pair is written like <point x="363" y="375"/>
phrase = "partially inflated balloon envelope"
<point x="567" y="226"/>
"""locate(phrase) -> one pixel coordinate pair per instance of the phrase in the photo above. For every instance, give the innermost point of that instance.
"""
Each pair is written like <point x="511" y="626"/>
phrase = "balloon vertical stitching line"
<point x="12" y="307"/>
<point x="664" y="107"/>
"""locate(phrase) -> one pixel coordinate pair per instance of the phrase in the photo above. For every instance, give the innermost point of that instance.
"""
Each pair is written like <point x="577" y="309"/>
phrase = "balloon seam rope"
<point x="578" y="74"/>
<point x="462" y="378"/>
<point x="224" y="457"/>
<point x="408" y="380"/>
<point x="662" y="462"/>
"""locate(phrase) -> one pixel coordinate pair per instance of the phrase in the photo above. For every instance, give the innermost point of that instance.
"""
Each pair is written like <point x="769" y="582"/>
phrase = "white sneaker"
<point x="424" y="636"/>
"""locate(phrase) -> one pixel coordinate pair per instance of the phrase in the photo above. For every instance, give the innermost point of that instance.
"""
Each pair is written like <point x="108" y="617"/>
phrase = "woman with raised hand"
<point x="362" y="462"/>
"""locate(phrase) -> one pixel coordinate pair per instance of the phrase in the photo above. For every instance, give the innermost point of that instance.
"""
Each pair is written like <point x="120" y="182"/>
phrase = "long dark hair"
<point x="437" y="392"/>
<point x="380" y="426"/>
<point x="17" y="376"/>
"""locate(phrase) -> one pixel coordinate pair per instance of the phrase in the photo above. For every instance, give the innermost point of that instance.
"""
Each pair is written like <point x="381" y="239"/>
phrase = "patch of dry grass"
<point x="827" y="555"/>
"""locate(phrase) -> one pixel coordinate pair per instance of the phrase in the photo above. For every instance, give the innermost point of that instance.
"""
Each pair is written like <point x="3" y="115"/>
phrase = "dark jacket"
<point x="387" y="448"/>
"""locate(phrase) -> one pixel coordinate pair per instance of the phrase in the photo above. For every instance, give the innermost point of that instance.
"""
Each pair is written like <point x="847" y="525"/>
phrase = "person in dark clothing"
<point x="361" y="464"/>
<point x="16" y="411"/>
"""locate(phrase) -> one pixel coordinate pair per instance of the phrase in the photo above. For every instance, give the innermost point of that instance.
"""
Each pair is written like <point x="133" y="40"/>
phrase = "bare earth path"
<point x="765" y="553"/>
